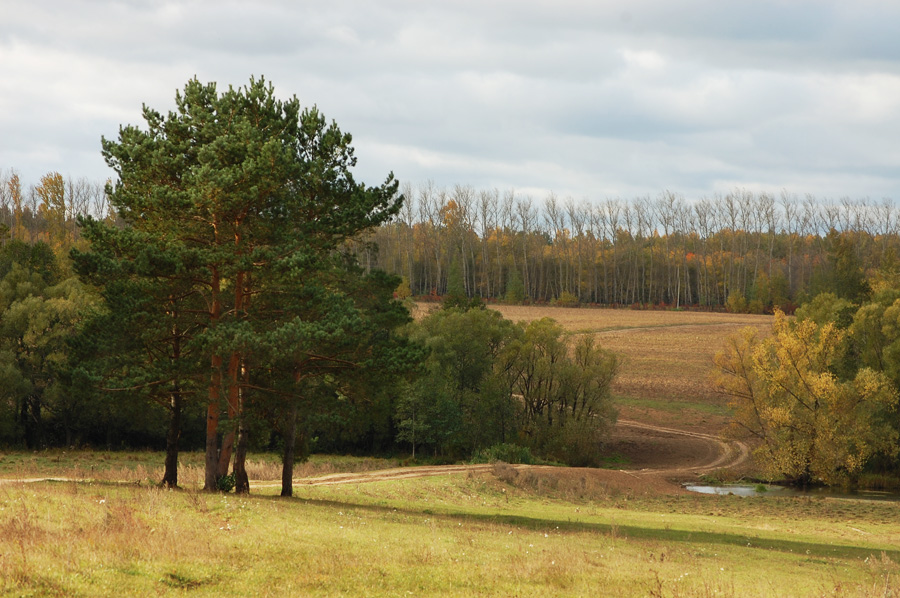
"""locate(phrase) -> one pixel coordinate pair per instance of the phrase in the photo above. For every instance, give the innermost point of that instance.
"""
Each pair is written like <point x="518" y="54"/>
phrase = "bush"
<point x="505" y="452"/>
<point x="566" y="299"/>
<point x="736" y="303"/>
<point x="226" y="483"/>
<point x="403" y="290"/>
<point x="577" y="444"/>
<point x="515" y="288"/>
<point x="756" y="307"/>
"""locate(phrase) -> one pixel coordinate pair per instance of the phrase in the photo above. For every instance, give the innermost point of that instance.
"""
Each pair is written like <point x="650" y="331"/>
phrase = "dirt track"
<point x="660" y="458"/>
<point x="670" y="452"/>
<point x="667" y="455"/>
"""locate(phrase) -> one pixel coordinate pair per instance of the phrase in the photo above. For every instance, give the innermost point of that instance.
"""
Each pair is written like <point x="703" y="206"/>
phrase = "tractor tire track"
<point x="730" y="453"/>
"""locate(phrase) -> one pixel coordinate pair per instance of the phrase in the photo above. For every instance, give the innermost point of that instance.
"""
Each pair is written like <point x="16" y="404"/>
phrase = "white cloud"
<point x="643" y="59"/>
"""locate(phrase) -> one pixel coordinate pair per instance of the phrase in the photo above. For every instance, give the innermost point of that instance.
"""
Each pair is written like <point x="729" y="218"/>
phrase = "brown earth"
<point x="650" y="449"/>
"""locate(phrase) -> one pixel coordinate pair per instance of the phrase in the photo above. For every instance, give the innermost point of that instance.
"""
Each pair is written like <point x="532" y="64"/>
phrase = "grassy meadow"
<point x="501" y="532"/>
<point x="106" y="530"/>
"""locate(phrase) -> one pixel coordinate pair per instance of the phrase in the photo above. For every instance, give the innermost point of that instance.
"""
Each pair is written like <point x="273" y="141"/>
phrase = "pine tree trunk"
<point x="26" y="426"/>
<point x="224" y="457"/>
<point x="234" y="409"/>
<point x="241" y="481"/>
<point x="287" y="459"/>
<point x="212" y="447"/>
<point x="212" y="408"/>
<point x="170" y="476"/>
<point x="37" y="422"/>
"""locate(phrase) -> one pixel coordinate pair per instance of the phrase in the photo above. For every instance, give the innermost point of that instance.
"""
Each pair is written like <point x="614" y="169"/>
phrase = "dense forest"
<point x="742" y="250"/>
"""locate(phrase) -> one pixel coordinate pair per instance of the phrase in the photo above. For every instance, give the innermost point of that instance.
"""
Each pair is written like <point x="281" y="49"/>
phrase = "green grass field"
<point x="498" y="533"/>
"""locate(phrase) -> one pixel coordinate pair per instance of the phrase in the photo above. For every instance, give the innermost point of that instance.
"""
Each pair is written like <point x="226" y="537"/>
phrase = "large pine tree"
<point x="240" y="195"/>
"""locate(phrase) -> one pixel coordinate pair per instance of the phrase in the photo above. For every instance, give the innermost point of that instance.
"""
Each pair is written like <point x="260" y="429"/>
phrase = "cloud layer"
<point x="588" y="99"/>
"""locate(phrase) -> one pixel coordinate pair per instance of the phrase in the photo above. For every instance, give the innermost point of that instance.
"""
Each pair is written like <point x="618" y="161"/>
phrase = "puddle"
<point x="738" y="490"/>
<point x="772" y="490"/>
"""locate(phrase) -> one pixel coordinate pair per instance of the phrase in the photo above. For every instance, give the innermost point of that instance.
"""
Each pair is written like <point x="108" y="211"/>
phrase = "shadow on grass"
<point x="810" y="549"/>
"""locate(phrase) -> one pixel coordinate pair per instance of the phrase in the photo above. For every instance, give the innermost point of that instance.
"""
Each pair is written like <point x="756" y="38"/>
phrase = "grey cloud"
<point x="586" y="98"/>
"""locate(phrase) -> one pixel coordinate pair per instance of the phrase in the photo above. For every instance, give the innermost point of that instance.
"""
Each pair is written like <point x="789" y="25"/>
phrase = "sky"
<point x="585" y="99"/>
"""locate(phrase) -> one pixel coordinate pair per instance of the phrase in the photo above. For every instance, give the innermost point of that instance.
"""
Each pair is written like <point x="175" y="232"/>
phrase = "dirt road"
<point x="668" y="454"/>
<point x="664" y="451"/>
<point x="659" y="456"/>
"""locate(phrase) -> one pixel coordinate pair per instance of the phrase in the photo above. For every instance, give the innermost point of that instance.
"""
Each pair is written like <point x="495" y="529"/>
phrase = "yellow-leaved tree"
<point x="811" y="425"/>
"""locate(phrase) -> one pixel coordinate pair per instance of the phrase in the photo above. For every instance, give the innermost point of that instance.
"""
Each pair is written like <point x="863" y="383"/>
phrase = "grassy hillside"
<point x="500" y="532"/>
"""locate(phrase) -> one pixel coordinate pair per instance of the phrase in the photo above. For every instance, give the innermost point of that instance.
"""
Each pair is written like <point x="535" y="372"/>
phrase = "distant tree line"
<point x="744" y="251"/>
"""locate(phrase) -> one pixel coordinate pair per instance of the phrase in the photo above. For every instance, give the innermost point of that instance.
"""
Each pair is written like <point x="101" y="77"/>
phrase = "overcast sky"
<point x="587" y="99"/>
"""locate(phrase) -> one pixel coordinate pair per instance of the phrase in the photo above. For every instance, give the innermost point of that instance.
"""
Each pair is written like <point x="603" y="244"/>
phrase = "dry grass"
<point x="490" y="534"/>
<point x="578" y="485"/>
<point x="146" y="468"/>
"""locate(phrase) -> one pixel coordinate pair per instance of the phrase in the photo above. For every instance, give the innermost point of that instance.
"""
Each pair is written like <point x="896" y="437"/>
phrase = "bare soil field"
<point x="666" y="356"/>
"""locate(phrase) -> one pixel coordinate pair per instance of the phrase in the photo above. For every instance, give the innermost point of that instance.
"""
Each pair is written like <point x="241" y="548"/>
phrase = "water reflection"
<point x="772" y="490"/>
<point x="736" y="490"/>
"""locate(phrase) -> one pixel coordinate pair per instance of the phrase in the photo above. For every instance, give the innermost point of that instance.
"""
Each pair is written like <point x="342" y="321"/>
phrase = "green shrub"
<point x="226" y="483"/>
<point x="756" y="307"/>
<point x="506" y="452"/>
<point x="576" y="445"/>
<point x="515" y="288"/>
